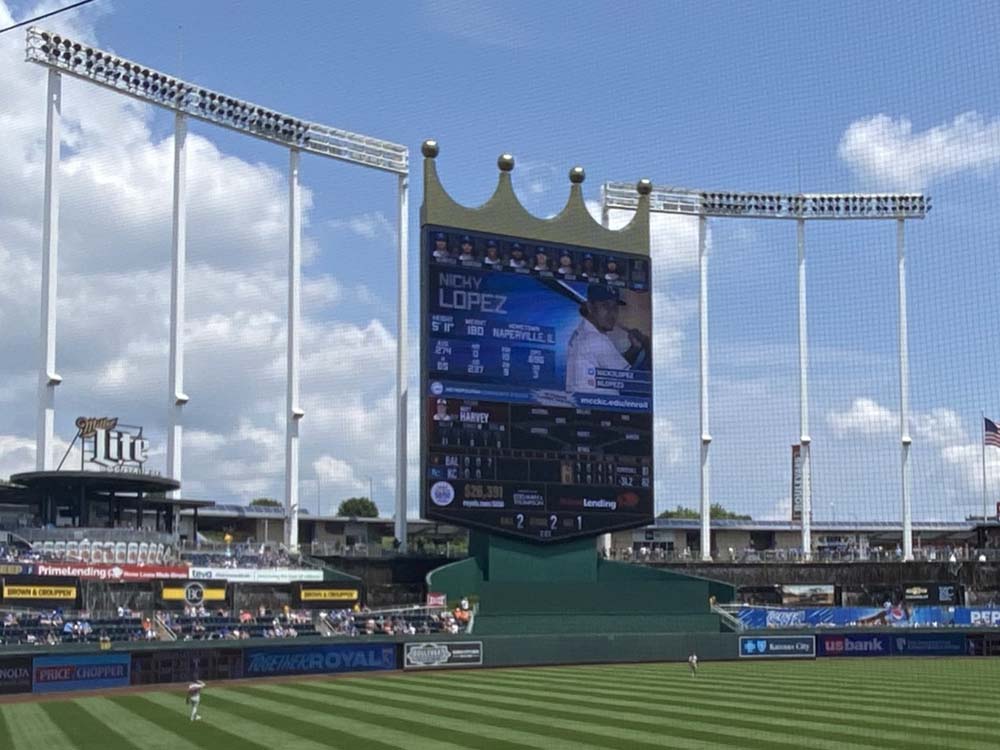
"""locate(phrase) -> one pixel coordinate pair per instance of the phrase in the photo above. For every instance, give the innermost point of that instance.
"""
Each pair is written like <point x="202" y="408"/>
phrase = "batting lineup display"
<point x="537" y="383"/>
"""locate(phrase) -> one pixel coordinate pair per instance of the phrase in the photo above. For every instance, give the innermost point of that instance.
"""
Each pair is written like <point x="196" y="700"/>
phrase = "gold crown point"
<point x="577" y="175"/>
<point x="505" y="162"/>
<point x="429" y="149"/>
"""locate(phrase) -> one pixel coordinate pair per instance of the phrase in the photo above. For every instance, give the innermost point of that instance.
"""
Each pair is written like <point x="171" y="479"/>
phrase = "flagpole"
<point x="982" y="423"/>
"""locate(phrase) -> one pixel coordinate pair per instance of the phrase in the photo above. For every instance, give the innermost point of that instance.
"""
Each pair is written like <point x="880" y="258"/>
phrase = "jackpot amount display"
<point x="537" y="386"/>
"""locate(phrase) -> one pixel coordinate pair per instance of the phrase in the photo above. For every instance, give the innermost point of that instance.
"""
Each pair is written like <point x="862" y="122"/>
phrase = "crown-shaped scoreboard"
<point x="536" y="366"/>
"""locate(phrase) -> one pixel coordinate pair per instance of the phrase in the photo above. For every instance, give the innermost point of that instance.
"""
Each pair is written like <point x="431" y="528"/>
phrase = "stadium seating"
<point x="395" y="622"/>
<point x="229" y="627"/>
<point x="42" y="629"/>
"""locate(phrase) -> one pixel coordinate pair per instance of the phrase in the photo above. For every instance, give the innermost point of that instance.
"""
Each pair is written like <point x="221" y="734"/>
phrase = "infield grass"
<point x="848" y="703"/>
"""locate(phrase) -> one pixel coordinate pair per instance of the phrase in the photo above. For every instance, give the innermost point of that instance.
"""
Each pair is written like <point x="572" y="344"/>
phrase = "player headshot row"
<point x="539" y="259"/>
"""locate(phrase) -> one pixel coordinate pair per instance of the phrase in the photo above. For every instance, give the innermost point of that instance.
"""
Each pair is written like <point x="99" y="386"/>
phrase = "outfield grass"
<point x="849" y="703"/>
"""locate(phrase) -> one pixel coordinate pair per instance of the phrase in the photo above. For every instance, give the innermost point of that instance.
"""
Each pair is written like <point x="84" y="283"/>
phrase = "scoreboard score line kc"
<point x="537" y="389"/>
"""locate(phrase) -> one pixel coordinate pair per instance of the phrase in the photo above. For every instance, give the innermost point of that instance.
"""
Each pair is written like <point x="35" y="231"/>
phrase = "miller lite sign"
<point x="111" y="446"/>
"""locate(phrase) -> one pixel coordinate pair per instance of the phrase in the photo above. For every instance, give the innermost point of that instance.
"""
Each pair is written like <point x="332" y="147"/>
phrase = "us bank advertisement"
<point x="537" y="385"/>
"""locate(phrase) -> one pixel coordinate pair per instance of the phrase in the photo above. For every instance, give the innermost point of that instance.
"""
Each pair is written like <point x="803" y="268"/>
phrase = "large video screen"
<point x="536" y="386"/>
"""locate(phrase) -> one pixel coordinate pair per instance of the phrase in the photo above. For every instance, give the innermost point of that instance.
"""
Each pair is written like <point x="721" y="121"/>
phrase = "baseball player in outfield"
<point x="194" y="698"/>
<point x="693" y="664"/>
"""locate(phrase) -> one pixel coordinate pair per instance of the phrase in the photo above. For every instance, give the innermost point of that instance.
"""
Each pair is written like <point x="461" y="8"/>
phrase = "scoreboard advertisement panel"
<point x="537" y="390"/>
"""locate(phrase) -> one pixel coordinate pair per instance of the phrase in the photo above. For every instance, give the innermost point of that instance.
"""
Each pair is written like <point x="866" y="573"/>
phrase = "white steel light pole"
<point x="402" y="363"/>
<point x="48" y="379"/>
<point x="705" y="510"/>
<point x="804" y="438"/>
<point x="800" y="208"/>
<point x="904" y="396"/>
<point x="178" y="257"/>
<point x="62" y="55"/>
<point x="293" y="412"/>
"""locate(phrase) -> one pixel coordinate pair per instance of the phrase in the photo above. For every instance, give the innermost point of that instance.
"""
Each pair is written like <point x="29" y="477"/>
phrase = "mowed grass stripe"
<point x="5" y="738"/>
<point x="146" y="734"/>
<point x="336" y="720"/>
<point x="552" y="734"/>
<point x="843" y="673"/>
<point x="716" y="695"/>
<point x="31" y="728"/>
<point x="860" y="675"/>
<point x="198" y="733"/>
<point x="539" y="719"/>
<point x="280" y="731"/>
<point x="871" y="681"/>
<point x="421" y="721"/>
<point x="84" y="729"/>
<point x="776" y="691"/>
<point x="582" y="706"/>
<point x="659" y="716"/>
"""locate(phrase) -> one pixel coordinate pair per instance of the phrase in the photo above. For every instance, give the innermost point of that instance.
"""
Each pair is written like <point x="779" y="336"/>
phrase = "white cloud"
<point x="939" y="427"/>
<point x="669" y="442"/>
<point x="337" y="479"/>
<point x="114" y="298"/>
<point x="368" y="226"/>
<point x="886" y="154"/>
<point x="944" y="456"/>
<point x="864" y="417"/>
<point x="483" y="23"/>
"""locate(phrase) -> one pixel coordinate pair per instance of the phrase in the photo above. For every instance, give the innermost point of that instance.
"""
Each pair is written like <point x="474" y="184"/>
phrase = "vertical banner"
<point x="796" y="483"/>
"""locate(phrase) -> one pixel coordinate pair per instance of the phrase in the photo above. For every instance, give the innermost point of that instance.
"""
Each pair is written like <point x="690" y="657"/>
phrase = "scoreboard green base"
<point x="524" y="588"/>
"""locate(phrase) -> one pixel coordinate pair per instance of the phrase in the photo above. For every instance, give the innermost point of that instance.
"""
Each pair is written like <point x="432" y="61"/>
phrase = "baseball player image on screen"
<point x="194" y="698"/>
<point x="592" y="343"/>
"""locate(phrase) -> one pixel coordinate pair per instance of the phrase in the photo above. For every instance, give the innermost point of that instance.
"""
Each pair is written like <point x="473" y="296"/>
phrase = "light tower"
<point x="799" y="208"/>
<point x="61" y="55"/>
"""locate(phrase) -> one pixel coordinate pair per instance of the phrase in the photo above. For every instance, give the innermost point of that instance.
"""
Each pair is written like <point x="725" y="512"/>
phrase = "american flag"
<point x="991" y="433"/>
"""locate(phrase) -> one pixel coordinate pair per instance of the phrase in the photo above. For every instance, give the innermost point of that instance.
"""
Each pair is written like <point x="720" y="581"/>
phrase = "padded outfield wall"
<point x="85" y="667"/>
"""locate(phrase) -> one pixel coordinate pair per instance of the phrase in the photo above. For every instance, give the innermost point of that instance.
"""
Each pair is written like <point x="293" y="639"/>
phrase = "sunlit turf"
<point x="846" y="703"/>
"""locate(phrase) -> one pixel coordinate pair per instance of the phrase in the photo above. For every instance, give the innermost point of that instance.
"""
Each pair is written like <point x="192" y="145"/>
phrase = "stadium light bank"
<point x="799" y="208"/>
<point x="62" y="55"/>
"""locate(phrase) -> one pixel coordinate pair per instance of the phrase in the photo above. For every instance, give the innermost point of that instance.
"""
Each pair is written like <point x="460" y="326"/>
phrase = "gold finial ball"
<point x="429" y="149"/>
<point x="577" y="175"/>
<point x="505" y="162"/>
<point x="644" y="187"/>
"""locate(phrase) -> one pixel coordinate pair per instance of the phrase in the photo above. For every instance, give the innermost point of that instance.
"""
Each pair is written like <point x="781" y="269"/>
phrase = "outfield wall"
<point x="83" y="667"/>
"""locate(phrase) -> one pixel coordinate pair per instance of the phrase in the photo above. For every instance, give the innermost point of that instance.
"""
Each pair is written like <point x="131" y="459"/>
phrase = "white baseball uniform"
<point x="194" y="698"/>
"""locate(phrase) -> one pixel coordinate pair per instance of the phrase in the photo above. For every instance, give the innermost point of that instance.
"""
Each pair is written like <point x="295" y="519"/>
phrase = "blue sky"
<point x="818" y="97"/>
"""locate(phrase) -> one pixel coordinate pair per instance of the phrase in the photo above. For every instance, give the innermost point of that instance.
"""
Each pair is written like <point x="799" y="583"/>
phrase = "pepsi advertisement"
<point x="537" y="386"/>
<point x="891" y="615"/>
